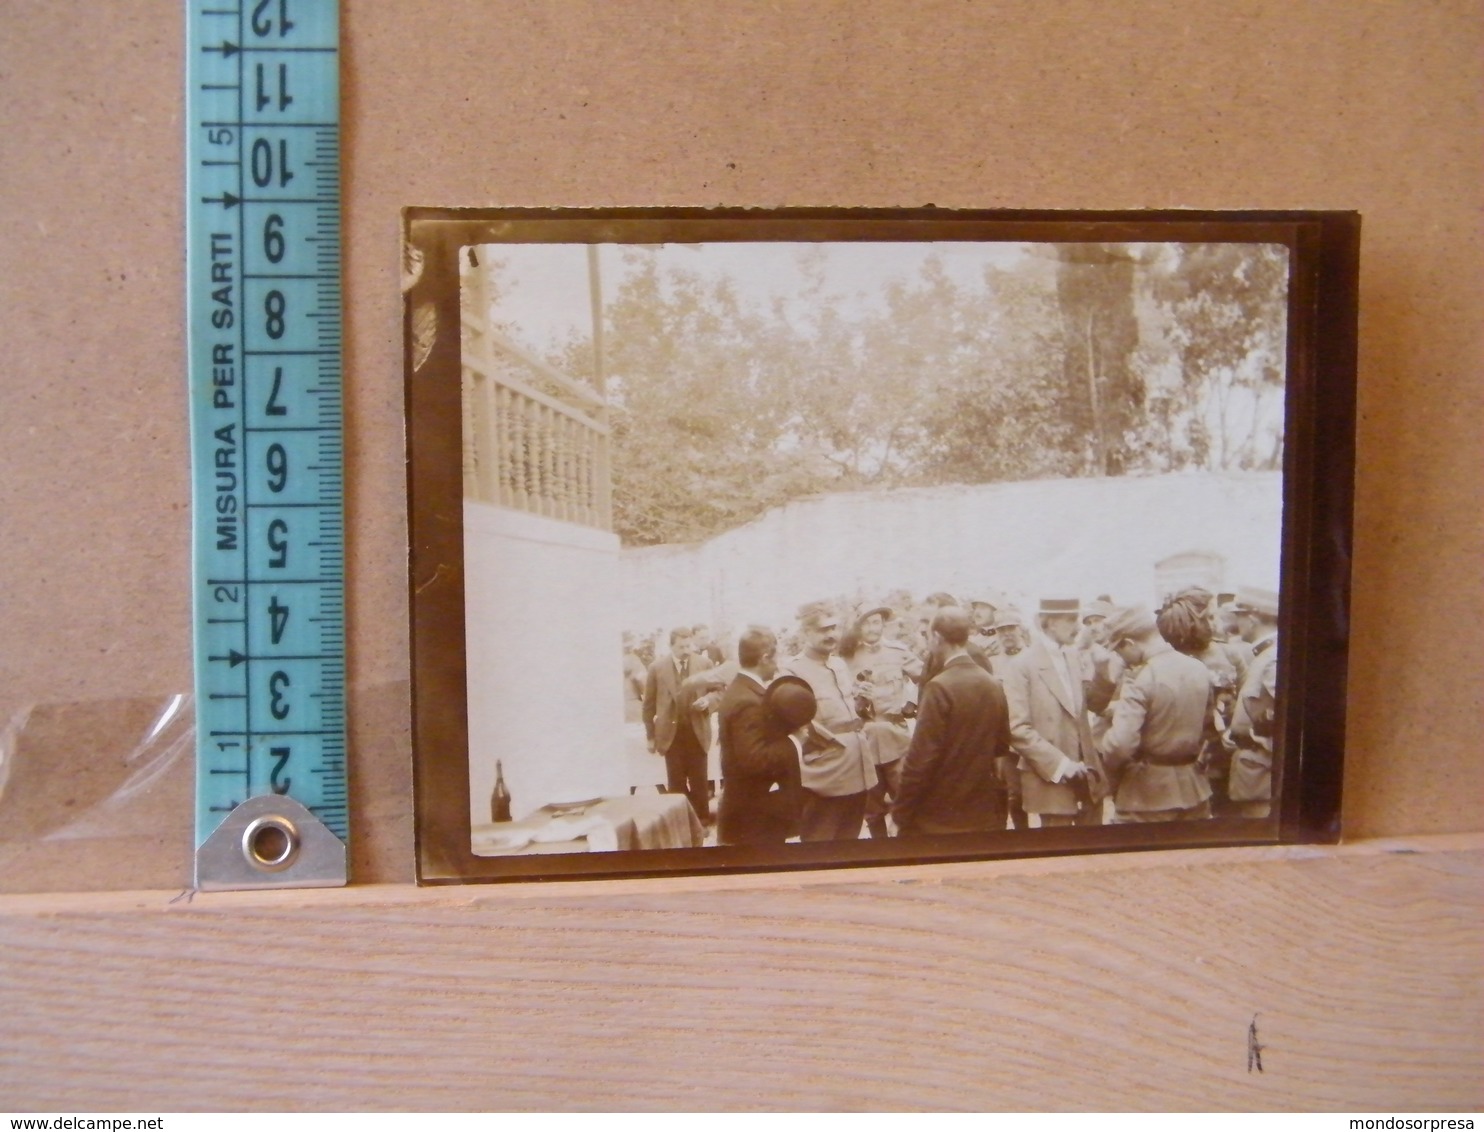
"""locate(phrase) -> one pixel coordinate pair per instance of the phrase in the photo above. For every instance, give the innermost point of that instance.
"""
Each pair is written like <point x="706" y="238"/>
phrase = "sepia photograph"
<point x="852" y="550"/>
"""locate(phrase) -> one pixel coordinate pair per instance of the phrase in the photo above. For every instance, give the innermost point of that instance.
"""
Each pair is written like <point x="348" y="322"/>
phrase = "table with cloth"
<point x="640" y="821"/>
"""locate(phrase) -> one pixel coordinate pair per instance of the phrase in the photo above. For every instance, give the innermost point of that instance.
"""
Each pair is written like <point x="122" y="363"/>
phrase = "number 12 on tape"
<point x="263" y="323"/>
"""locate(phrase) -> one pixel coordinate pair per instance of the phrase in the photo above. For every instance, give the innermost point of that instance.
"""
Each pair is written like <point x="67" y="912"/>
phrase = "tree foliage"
<point x="1104" y="396"/>
<point x="1222" y="320"/>
<point x="1079" y="360"/>
<point x="702" y="409"/>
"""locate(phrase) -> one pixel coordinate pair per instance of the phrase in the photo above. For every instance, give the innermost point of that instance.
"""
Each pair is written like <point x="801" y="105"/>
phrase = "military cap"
<point x="1255" y="599"/>
<point x="1098" y="608"/>
<point x="867" y="608"/>
<point x="1131" y="622"/>
<point x="814" y="612"/>
<point x="791" y="701"/>
<point x="1008" y="617"/>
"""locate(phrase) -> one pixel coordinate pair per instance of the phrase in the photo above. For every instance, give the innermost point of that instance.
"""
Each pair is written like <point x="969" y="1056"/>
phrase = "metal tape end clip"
<point x="270" y="841"/>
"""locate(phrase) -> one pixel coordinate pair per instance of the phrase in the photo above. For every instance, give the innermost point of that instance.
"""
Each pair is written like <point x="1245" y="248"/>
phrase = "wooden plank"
<point x="1123" y="982"/>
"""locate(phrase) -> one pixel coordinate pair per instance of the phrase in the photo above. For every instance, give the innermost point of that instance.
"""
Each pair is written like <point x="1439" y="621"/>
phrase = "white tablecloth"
<point x="640" y="821"/>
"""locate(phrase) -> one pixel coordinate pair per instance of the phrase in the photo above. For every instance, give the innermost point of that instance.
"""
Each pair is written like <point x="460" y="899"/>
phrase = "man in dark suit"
<point x="761" y="794"/>
<point x="950" y="780"/>
<point x="676" y="726"/>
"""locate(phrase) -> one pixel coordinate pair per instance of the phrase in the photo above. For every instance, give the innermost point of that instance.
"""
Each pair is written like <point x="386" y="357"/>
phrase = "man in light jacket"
<point x="1061" y="772"/>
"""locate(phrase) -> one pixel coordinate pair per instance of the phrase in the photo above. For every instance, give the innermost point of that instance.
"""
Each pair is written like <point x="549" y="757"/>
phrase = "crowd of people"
<point x="895" y="718"/>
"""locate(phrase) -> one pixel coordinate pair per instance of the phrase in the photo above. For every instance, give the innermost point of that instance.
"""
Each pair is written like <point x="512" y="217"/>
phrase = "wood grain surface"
<point x="1079" y="104"/>
<point x="997" y="104"/>
<point x="1118" y="982"/>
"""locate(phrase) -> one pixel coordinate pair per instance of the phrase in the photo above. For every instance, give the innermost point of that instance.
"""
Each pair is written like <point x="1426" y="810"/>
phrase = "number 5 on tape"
<point x="263" y="314"/>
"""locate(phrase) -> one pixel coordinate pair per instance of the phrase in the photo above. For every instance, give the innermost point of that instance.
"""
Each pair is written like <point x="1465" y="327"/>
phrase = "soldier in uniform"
<point x="1223" y="618"/>
<point x="1009" y="628"/>
<point x="1185" y="622"/>
<point x="1102" y="671"/>
<point x="983" y="611"/>
<point x="1250" y="785"/>
<point x="889" y="669"/>
<point x="1150" y="738"/>
<point x="837" y="776"/>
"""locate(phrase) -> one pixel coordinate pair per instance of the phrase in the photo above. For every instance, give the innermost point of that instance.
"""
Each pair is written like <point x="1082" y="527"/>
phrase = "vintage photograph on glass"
<point x="813" y="550"/>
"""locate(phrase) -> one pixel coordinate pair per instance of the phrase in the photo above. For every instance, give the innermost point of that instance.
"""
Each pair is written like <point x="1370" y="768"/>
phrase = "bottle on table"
<point x="500" y="799"/>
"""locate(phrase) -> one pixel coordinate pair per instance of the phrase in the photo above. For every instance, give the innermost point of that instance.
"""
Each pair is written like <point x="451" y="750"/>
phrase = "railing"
<point x="543" y="449"/>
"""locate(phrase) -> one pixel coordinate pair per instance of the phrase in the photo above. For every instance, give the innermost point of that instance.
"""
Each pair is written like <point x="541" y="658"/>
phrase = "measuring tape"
<point x="263" y="306"/>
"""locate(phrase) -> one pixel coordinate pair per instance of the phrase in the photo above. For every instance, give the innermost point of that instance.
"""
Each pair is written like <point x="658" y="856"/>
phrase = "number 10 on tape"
<point x="263" y="322"/>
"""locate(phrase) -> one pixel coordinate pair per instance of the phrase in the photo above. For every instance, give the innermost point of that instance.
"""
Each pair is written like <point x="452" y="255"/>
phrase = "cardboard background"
<point x="1330" y="104"/>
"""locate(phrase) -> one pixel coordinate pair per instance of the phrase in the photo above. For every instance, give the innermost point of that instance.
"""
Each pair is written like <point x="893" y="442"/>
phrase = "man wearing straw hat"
<point x="1150" y="739"/>
<point x="1060" y="773"/>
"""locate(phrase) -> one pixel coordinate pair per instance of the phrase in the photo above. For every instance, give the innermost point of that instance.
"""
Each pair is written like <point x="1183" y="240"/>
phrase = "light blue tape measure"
<point x="263" y="307"/>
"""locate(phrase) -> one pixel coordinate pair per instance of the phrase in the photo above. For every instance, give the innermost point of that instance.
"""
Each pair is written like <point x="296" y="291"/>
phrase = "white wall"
<point x="546" y="601"/>
<point x="542" y="630"/>
<point x="1078" y="537"/>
